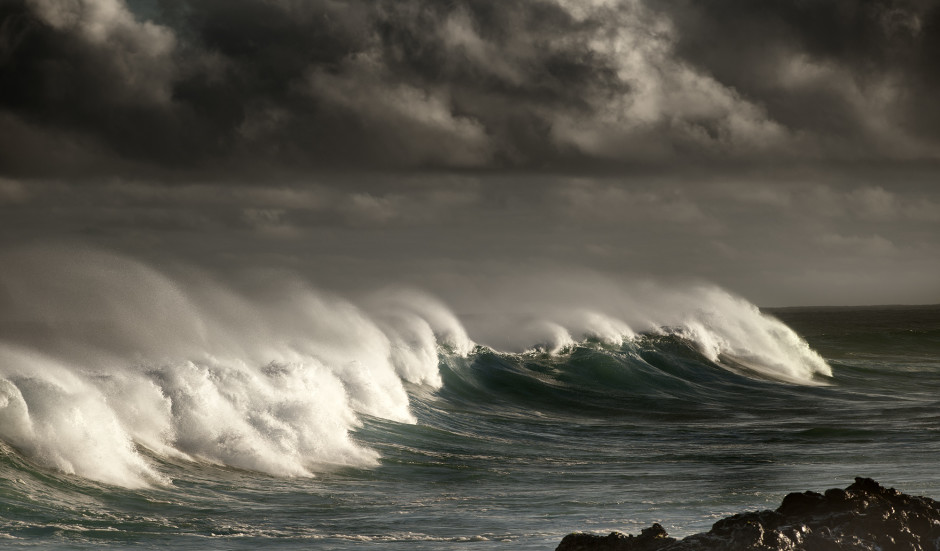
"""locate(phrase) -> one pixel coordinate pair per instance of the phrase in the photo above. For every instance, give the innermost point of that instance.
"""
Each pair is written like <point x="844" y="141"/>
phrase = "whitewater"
<point x="146" y="405"/>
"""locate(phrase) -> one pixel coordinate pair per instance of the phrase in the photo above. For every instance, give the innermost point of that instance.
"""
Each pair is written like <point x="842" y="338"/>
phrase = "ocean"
<point x="190" y="417"/>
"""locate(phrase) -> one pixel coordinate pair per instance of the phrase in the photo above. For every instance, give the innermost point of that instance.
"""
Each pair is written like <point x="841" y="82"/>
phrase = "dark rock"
<point x="801" y="504"/>
<point x="864" y="516"/>
<point x="650" y="539"/>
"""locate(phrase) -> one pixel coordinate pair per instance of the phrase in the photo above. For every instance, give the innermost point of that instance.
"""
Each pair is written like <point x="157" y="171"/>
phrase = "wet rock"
<point x="864" y="516"/>
<point x="650" y="539"/>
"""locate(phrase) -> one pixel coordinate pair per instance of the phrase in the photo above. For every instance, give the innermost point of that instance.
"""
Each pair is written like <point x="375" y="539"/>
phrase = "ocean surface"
<point x="389" y="426"/>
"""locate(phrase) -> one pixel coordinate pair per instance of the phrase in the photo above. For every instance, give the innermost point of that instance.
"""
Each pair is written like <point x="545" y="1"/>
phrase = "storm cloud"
<point x="98" y="87"/>
<point x="788" y="151"/>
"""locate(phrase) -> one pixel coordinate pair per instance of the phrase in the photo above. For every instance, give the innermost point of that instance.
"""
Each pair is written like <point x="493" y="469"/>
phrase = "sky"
<point x="786" y="151"/>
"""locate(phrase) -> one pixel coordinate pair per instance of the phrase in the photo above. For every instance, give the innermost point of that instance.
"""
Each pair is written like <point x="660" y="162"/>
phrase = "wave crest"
<point x="100" y="354"/>
<point x="264" y="373"/>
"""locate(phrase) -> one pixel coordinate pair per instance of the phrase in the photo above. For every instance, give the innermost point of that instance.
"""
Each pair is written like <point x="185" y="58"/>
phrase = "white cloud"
<point x="665" y="104"/>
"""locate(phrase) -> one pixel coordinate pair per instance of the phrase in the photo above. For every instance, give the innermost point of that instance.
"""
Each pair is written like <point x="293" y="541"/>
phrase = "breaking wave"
<point x="106" y="361"/>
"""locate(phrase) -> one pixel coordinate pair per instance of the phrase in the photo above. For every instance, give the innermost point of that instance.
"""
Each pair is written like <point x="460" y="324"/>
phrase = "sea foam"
<point x="102" y="354"/>
<point x="109" y="353"/>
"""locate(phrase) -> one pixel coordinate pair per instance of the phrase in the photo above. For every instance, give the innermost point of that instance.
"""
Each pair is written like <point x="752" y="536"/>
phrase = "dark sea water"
<point x="679" y="424"/>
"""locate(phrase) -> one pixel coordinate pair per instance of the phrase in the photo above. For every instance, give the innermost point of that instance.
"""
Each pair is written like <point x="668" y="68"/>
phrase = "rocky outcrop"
<point x="864" y="516"/>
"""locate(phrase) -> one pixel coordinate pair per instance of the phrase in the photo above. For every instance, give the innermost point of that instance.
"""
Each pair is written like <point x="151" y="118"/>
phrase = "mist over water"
<point x="102" y="354"/>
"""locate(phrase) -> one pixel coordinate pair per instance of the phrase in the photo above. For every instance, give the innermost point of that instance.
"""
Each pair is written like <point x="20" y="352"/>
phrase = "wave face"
<point x="106" y="362"/>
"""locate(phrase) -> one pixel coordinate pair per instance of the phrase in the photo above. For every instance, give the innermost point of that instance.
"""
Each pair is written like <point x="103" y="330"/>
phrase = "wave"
<point x="106" y="360"/>
<point x="649" y="375"/>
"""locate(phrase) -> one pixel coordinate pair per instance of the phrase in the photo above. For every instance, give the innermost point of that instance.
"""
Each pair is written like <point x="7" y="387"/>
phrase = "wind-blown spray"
<point x="102" y="354"/>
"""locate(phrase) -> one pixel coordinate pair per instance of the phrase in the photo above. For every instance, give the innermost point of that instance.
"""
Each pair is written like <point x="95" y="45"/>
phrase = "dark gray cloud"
<point x="857" y="76"/>
<point x="246" y="87"/>
<point x="778" y="241"/>
<point x="786" y="150"/>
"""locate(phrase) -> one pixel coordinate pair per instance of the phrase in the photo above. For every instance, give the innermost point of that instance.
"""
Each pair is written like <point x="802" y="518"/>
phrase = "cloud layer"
<point x="777" y="242"/>
<point x="785" y="150"/>
<point x="209" y="88"/>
